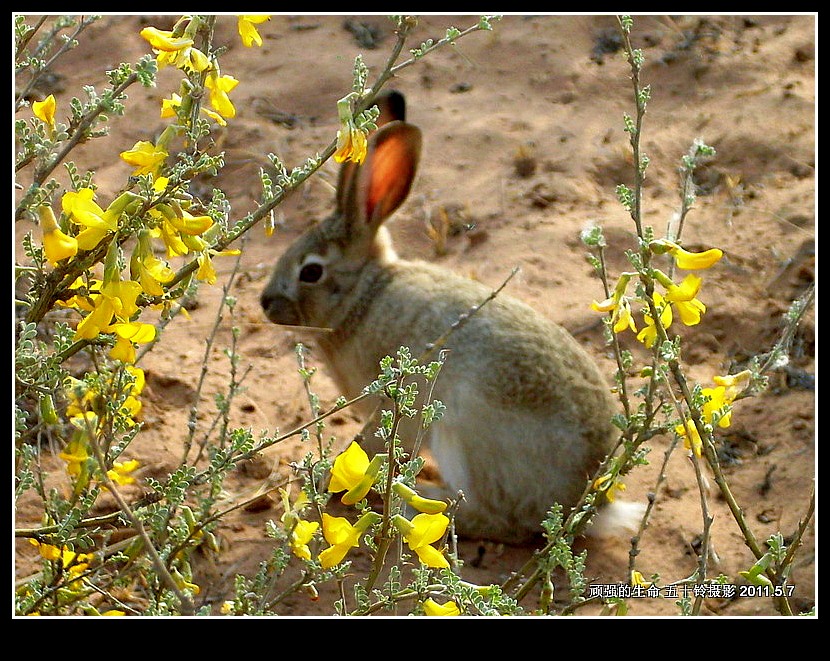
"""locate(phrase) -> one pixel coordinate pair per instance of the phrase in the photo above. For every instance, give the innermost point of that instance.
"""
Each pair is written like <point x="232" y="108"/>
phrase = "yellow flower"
<point x="83" y="210"/>
<point x="146" y="157"/>
<point x="191" y="225"/>
<point x="132" y="405"/>
<point x="147" y="269"/>
<point x="245" y="25"/>
<point x="151" y="272"/>
<point x="342" y="536"/>
<point x="175" y="50"/>
<point x="301" y="531"/>
<point x="431" y="556"/>
<point x="301" y="536"/>
<point x="607" y="305"/>
<point x="353" y="473"/>
<point x="215" y="116"/>
<point x="691" y="437"/>
<point x="79" y="301"/>
<point x="97" y="321"/>
<point x="686" y="290"/>
<point x="734" y="384"/>
<point x="120" y="472"/>
<point x="128" y="334"/>
<point x="176" y="227"/>
<point x="45" y="110"/>
<point x="117" y="298"/>
<point x="80" y="397"/>
<point x="170" y="237"/>
<point x="123" y="294"/>
<point x="84" y="400"/>
<point x="219" y="86"/>
<point x="726" y="389"/>
<point x="683" y="296"/>
<point x="56" y="245"/>
<point x="188" y="59"/>
<point x="609" y="485"/>
<point x="169" y="107"/>
<point x="138" y="379"/>
<point x="351" y="143"/>
<point x="206" y="272"/>
<point x="76" y="453"/>
<point x="688" y="261"/>
<point x="637" y="579"/>
<point x="623" y="316"/>
<point x="648" y="334"/>
<point x="113" y="613"/>
<point x="716" y="400"/>
<point x="450" y="608"/>
<point x="47" y="551"/>
<point x="163" y="40"/>
<point x="420" y="533"/>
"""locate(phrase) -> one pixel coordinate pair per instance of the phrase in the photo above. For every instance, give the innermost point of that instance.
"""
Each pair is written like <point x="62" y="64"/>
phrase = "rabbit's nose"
<point x="279" y="308"/>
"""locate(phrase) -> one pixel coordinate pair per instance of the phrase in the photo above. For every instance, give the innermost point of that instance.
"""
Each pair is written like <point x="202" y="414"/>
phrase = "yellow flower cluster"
<point x="91" y="224"/>
<point x="86" y="408"/>
<point x="110" y="304"/>
<point x="176" y="48"/>
<point x="352" y="143"/>
<point x="73" y="563"/>
<point x="715" y="409"/>
<point x="354" y="474"/>
<point x="681" y="298"/>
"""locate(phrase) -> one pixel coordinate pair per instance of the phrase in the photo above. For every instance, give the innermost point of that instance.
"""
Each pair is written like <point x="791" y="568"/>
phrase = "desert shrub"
<point x="92" y="296"/>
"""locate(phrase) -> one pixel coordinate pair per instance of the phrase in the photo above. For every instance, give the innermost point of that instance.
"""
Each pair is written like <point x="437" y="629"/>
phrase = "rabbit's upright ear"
<point x="392" y="107"/>
<point x="386" y="176"/>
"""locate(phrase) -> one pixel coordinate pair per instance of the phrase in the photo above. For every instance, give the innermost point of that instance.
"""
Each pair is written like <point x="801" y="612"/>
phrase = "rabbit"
<point x="528" y="412"/>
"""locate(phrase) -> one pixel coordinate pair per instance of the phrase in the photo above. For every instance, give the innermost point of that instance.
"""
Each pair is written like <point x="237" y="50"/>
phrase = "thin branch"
<point x="185" y="602"/>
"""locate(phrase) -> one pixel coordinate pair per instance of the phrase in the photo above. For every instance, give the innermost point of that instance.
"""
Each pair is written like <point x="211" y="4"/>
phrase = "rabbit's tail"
<point x="617" y="519"/>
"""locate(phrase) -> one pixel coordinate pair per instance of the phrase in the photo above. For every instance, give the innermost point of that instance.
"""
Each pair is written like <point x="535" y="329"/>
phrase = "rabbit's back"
<point x="516" y="357"/>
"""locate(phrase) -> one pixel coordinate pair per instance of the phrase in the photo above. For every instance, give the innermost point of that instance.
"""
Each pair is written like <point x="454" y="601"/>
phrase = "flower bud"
<point x="411" y="498"/>
<point x="47" y="410"/>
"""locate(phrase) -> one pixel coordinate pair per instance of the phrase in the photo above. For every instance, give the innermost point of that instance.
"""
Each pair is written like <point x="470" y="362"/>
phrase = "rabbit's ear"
<point x="392" y="107"/>
<point x="384" y="179"/>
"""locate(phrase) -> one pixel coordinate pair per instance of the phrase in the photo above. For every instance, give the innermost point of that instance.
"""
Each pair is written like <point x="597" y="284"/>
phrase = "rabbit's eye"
<point x="311" y="272"/>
